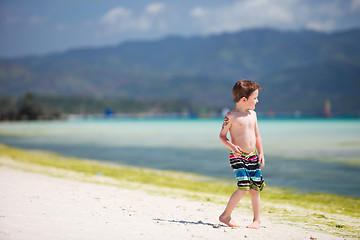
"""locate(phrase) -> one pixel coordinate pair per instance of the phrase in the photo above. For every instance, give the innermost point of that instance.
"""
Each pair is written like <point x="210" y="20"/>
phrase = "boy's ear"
<point x="243" y="99"/>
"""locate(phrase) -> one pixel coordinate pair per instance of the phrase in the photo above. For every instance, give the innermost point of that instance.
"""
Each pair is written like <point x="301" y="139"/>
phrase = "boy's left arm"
<point x="259" y="147"/>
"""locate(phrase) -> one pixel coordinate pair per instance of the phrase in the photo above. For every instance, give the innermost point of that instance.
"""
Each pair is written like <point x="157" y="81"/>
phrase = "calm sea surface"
<point x="308" y="155"/>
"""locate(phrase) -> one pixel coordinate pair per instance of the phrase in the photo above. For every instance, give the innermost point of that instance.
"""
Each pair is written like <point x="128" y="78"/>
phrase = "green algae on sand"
<point x="324" y="212"/>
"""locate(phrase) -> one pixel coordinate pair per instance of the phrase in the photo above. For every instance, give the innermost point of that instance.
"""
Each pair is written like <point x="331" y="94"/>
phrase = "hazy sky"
<point x="45" y="26"/>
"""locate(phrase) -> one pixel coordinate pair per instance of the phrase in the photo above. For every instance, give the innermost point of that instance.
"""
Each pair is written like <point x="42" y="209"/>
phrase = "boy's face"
<point x="252" y="100"/>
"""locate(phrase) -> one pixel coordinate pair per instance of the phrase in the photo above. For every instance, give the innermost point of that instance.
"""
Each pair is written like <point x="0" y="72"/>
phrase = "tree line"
<point x="39" y="107"/>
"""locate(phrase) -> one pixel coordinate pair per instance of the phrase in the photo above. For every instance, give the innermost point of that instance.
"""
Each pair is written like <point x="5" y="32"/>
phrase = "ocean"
<point x="310" y="155"/>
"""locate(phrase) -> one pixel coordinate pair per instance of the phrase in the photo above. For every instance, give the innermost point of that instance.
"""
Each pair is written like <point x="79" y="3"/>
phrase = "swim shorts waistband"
<point x="245" y="154"/>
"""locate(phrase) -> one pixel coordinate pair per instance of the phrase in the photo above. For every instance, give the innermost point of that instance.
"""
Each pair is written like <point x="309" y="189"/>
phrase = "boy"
<point x="245" y="140"/>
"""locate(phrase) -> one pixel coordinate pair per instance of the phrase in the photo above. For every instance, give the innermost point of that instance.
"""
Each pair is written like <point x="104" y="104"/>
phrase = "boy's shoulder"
<point x="252" y="112"/>
<point x="235" y="114"/>
<point x="230" y="114"/>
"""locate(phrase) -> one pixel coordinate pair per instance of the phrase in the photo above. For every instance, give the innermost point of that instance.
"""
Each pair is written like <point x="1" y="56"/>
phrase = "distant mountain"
<point x="299" y="70"/>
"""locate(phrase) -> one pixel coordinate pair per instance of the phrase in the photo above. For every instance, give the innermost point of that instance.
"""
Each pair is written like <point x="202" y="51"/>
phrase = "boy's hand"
<point x="236" y="151"/>
<point x="261" y="159"/>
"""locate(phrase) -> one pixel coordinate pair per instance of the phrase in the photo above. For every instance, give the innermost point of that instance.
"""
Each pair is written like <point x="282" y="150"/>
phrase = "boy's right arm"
<point x="223" y="136"/>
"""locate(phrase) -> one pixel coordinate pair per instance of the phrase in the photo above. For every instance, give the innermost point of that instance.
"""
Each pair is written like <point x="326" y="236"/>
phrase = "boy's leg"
<point x="255" y="201"/>
<point x="235" y="198"/>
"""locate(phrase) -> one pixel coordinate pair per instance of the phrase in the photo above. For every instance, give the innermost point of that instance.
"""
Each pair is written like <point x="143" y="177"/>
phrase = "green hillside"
<point x="299" y="70"/>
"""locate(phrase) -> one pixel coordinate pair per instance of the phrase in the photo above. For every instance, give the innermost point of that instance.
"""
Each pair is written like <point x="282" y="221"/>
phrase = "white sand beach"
<point x="37" y="206"/>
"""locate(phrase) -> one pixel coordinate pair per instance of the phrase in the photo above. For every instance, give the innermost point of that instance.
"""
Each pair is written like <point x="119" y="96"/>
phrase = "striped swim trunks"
<point x="247" y="171"/>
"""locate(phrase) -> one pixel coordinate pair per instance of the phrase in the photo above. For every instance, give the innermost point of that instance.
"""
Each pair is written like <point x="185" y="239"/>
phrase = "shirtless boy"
<point x="245" y="141"/>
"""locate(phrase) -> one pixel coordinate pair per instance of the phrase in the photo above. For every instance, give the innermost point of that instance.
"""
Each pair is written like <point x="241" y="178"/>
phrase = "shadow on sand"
<point x="190" y="222"/>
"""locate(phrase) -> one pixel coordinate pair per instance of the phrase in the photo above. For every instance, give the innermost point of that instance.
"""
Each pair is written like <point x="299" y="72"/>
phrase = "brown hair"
<point x="244" y="88"/>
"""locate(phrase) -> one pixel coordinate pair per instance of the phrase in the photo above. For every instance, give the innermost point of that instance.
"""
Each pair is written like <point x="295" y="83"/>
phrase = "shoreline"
<point x="320" y="213"/>
<point x="288" y="176"/>
<point x="332" y="148"/>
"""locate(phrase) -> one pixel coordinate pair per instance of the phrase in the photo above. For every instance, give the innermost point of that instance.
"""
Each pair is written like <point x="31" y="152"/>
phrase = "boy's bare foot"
<point x="228" y="221"/>
<point x="254" y="225"/>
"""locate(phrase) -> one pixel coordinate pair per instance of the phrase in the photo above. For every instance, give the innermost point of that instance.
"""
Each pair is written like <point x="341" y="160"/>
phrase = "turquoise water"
<point x="309" y="155"/>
